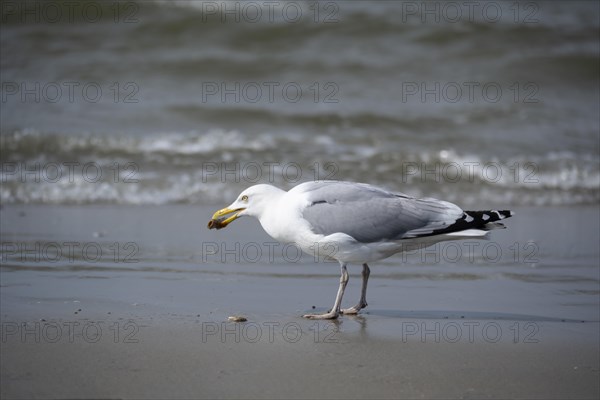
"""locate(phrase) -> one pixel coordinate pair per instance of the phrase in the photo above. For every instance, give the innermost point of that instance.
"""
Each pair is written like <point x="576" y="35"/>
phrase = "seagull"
<point x="354" y="223"/>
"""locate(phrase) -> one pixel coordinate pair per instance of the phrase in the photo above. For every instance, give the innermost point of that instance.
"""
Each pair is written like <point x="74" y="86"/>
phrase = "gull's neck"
<point x="279" y="215"/>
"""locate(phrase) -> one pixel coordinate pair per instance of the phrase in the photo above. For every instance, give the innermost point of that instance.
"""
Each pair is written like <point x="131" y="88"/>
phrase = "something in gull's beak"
<point x="218" y="221"/>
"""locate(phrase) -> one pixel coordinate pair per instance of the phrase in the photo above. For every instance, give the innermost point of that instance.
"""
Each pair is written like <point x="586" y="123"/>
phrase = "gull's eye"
<point x="244" y="198"/>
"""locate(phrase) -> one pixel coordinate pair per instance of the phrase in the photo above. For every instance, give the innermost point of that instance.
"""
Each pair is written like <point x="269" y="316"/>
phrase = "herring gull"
<point x="354" y="223"/>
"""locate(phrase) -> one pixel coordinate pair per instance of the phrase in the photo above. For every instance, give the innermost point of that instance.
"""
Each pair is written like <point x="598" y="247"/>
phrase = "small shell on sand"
<point x="237" y="318"/>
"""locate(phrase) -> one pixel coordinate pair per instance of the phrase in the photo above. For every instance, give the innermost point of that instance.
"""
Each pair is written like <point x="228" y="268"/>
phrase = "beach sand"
<point x="133" y="302"/>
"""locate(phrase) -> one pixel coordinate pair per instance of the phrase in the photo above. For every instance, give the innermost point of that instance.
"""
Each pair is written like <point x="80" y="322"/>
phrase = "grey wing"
<point x="370" y="214"/>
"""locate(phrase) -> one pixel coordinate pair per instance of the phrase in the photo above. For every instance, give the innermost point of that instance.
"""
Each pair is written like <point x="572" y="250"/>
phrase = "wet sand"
<point x="147" y="318"/>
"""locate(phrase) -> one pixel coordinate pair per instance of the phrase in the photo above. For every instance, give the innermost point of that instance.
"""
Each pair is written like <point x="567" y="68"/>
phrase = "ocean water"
<point x="156" y="102"/>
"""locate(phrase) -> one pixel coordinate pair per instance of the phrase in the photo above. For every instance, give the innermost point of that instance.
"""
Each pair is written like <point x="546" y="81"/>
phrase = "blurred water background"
<point x="158" y="102"/>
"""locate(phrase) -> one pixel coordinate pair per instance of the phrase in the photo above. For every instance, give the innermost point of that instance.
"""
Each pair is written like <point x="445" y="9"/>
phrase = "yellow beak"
<point x="217" y="221"/>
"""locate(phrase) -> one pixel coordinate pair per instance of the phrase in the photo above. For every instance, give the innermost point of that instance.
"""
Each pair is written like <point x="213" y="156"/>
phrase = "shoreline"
<point x="435" y="328"/>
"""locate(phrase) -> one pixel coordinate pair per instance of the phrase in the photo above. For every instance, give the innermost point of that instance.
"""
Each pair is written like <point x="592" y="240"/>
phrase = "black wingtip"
<point x="484" y="219"/>
<point x="506" y="213"/>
